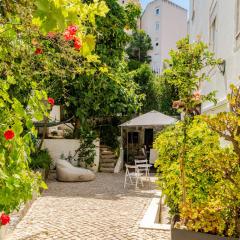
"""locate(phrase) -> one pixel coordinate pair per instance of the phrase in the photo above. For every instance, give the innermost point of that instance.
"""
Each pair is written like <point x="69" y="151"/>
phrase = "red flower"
<point x="72" y="29"/>
<point x="77" y="43"/>
<point x="38" y="51"/>
<point x="51" y="101"/>
<point x="5" y="219"/>
<point x="68" y="36"/>
<point x="9" y="134"/>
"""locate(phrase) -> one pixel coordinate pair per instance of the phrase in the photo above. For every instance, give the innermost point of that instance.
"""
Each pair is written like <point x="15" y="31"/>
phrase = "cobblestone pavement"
<point x="95" y="210"/>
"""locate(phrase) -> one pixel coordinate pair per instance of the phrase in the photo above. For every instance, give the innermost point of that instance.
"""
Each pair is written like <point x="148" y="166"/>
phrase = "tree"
<point x="185" y="72"/>
<point x="113" y="37"/>
<point x="99" y="84"/>
<point x="138" y="48"/>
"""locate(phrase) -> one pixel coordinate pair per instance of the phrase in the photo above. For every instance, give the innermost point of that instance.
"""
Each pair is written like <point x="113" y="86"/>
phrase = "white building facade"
<point x="165" y="23"/>
<point x="217" y="23"/>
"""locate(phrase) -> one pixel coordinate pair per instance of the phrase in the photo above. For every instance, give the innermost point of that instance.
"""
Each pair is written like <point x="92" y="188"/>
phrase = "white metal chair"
<point x="143" y="168"/>
<point x="133" y="175"/>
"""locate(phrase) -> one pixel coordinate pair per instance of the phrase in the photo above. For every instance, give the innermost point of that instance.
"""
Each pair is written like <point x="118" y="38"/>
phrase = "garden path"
<point x="95" y="210"/>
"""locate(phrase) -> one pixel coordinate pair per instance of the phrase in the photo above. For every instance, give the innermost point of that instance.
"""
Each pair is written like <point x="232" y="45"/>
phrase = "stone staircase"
<point x="107" y="159"/>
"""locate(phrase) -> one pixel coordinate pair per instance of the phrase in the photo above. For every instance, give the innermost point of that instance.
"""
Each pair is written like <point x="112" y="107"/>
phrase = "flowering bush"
<point x="24" y="67"/>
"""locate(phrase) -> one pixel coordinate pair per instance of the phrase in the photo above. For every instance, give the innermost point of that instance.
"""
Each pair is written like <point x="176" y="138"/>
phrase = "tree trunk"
<point x="77" y="125"/>
<point x="182" y="165"/>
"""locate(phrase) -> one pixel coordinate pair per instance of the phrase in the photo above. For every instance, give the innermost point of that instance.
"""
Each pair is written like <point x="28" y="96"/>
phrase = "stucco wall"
<point x="57" y="147"/>
<point x="199" y="25"/>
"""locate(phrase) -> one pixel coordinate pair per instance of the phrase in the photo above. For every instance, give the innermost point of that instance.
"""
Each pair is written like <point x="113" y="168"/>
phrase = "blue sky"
<point x="182" y="3"/>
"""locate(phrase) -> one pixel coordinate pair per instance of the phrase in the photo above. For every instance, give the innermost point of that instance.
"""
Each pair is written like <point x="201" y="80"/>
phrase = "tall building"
<point x="165" y="23"/>
<point x="217" y="23"/>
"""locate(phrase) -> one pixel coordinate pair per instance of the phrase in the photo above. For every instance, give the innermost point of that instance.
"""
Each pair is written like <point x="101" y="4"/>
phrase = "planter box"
<point x="179" y="234"/>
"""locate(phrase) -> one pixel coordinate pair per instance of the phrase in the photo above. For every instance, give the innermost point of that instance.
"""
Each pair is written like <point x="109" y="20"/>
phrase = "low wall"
<point x="66" y="147"/>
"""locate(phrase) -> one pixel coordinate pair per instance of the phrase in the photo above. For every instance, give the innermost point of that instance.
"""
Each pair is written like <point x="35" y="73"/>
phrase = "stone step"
<point x="104" y="146"/>
<point x="107" y="160"/>
<point x="104" y="149"/>
<point x="108" y="165"/>
<point x="112" y="156"/>
<point x="106" y="152"/>
<point x="107" y="170"/>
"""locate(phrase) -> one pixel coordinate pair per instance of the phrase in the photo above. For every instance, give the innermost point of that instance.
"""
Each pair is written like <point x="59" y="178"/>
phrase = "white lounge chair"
<point x="66" y="172"/>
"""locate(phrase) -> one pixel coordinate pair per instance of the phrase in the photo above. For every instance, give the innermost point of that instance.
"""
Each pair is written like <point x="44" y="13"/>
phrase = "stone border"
<point x="21" y="213"/>
<point x="151" y="216"/>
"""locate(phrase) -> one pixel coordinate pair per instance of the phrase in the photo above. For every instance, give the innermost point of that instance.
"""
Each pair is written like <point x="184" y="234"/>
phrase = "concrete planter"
<point x="66" y="147"/>
<point x="3" y="232"/>
<point x="180" y="234"/>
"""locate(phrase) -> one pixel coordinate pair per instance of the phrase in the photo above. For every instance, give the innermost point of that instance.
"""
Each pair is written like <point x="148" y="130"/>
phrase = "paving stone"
<point x="95" y="210"/>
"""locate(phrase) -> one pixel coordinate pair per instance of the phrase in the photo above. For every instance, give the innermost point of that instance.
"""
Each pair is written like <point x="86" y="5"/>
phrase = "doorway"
<point x="148" y="138"/>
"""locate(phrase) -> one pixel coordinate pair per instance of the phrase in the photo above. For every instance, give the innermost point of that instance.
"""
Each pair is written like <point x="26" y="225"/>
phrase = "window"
<point x="213" y="35"/>
<point x="238" y="23"/>
<point x="157" y="44"/>
<point x="133" y="137"/>
<point x="157" y="26"/>
<point x="157" y="11"/>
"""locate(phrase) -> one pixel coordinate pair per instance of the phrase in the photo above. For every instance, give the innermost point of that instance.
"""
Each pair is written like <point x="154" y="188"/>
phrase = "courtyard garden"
<point x="80" y="56"/>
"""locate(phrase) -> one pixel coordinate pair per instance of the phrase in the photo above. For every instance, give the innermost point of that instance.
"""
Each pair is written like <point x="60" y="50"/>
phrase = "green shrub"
<point x="86" y="152"/>
<point x="212" y="178"/>
<point x="201" y="141"/>
<point x="41" y="160"/>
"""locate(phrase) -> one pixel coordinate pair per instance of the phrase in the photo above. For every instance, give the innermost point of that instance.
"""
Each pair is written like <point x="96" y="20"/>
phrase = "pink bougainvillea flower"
<point x="51" y="34"/>
<point x="77" y="43"/>
<point x="38" y="51"/>
<point x="72" y="29"/>
<point x="51" y="101"/>
<point x="68" y="36"/>
<point x="9" y="134"/>
<point x="197" y="96"/>
<point x="5" y="219"/>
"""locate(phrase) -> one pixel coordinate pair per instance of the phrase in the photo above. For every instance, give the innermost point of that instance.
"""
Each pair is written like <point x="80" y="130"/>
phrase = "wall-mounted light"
<point x="222" y="67"/>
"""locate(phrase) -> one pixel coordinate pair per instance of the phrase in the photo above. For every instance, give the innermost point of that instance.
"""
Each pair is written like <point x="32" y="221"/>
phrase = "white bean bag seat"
<point x="66" y="172"/>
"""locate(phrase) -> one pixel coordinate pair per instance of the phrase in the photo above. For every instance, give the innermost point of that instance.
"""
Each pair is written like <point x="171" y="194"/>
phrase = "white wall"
<point x="199" y="25"/>
<point x="57" y="147"/>
<point x="173" y="26"/>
